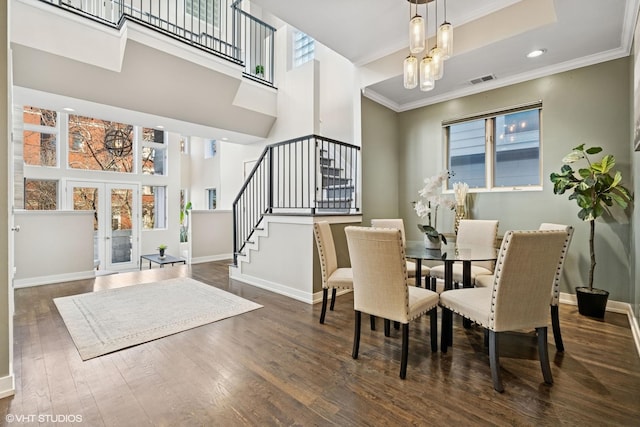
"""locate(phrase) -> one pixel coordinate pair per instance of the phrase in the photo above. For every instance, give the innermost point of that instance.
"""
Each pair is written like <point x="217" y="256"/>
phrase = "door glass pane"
<point x="467" y="153"/>
<point x="86" y="199"/>
<point x="517" y="160"/>
<point x="121" y="225"/>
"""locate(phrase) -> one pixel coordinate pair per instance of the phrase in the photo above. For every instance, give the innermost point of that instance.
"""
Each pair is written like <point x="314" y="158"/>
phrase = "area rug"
<point x="105" y="321"/>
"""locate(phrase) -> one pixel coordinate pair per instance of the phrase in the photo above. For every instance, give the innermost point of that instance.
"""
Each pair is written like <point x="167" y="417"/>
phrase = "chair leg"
<point x="543" y="353"/>
<point x="433" y="284"/>
<point x="372" y="320"/>
<point x="387" y="327"/>
<point x="356" y="335"/>
<point x="486" y="338"/>
<point x="494" y="361"/>
<point x="325" y="296"/>
<point x="396" y="325"/>
<point x="433" y="314"/>
<point x="405" y="350"/>
<point x="333" y="298"/>
<point x="447" y="323"/>
<point x="555" y="324"/>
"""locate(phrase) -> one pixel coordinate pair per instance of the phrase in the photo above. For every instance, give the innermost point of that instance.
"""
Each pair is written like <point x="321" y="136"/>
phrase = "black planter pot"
<point x="592" y="303"/>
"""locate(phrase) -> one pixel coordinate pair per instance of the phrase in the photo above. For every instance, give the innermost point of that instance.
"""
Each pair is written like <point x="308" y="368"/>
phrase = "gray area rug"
<point x="105" y="321"/>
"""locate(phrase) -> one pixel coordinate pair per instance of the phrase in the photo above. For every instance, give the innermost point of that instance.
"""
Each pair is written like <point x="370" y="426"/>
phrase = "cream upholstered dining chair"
<point x="480" y="232"/>
<point x="398" y="223"/>
<point x="518" y="297"/>
<point x="483" y="281"/>
<point x="332" y="277"/>
<point x="380" y="285"/>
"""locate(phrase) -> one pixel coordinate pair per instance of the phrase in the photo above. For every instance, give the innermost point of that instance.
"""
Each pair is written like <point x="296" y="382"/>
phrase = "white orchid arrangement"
<point x="427" y="207"/>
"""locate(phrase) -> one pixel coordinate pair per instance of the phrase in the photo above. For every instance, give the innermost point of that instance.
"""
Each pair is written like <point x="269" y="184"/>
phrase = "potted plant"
<point x="161" y="249"/>
<point x="184" y="222"/>
<point x="260" y="70"/>
<point x="427" y="207"/>
<point x="595" y="188"/>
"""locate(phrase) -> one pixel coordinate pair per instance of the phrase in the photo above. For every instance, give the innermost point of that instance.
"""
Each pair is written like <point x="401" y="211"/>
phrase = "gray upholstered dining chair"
<point x="332" y="277"/>
<point x="398" y="223"/>
<point x="487" y="280"/>
<point x="480" y="232"/>
<point x="518" y="297"/>
<point x="380" y="285"/>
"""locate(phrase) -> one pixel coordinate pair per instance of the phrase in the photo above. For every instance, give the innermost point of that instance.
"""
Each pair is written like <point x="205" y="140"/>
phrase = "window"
<point x="40" y="195"/>
<point x="303" y="48"/>
<point x="205" y="10"/>
<point x="40" y="135"/>
<point x="211" y="198"/>
<point x="496" y="150"/>
<point x="108" y="146"/>
<point x="154" y="207"/>
<point x="210" y="148"/>
<point x="154" y="153"/>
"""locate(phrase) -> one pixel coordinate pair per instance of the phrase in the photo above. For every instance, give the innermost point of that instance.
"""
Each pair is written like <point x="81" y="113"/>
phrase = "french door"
<point x="115" y="221"/>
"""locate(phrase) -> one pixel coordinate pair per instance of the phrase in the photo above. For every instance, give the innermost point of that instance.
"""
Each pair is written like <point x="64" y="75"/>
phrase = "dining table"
<point x="449" y="254"/>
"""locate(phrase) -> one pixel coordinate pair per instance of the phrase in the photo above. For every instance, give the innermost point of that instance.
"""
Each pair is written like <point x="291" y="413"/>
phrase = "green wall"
<point x="587" y="105"/>
<point x="380" y="162"/>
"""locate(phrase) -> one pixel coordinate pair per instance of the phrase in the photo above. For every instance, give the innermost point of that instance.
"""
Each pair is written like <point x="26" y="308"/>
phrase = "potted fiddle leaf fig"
<point x="595" y="188"/>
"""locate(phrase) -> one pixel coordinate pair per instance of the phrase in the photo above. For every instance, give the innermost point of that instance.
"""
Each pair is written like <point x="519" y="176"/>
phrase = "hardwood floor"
<point x="278" y="366"/>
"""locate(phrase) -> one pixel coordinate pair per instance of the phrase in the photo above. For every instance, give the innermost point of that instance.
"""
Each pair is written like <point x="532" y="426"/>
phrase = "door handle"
<point x="15" y="228"/>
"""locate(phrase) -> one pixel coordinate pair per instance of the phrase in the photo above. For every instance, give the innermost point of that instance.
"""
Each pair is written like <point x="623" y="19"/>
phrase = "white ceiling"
<point x="490" y="37"/>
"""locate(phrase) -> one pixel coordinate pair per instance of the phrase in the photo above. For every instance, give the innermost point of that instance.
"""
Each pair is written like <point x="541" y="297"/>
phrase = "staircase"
<point x="306" y="176"/>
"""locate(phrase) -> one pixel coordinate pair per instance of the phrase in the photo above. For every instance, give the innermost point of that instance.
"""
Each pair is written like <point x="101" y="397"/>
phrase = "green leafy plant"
<point x="162" y="247"/>
<point x="184" y="222"/>
<point x="595" y="188"/>
<point x="260" y="70"/>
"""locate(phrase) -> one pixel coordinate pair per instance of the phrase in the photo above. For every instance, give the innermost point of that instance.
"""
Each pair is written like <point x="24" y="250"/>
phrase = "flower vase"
<point x="432" y="244"/>
<point x="461" y="213"/>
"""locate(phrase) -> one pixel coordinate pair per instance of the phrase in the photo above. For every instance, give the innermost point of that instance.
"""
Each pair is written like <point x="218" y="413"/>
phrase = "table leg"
<point x="466" y="283"/>
<point x="418" y="271"/>
<point x="446" y="331"/>
<point x="140" y="263"/>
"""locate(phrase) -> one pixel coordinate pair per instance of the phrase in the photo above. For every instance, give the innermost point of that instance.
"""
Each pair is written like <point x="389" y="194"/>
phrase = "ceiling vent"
<point x="482" y="79"/>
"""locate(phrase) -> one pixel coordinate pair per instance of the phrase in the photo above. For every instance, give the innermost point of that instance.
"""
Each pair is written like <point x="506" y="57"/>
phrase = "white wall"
<point x="212" y="235"/>
<point x="53" y="246"/>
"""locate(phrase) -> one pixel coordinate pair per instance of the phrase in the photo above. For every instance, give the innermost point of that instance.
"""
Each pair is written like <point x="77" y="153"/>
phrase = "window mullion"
<point x="490" y="155"/>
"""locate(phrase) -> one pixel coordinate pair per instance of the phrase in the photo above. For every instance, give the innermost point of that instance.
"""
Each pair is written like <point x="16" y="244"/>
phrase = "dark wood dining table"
<point x="448" y="255"/>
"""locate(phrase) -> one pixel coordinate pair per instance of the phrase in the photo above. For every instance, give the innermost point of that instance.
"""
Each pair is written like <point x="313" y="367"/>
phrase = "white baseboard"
<point x="201" y="259"/>
<point x="48" y="280"/>
<point x="614" y="307"/>
<point x="317" y="297"/>
<point x="7" y="386"/>
<point x="277" y="288"/>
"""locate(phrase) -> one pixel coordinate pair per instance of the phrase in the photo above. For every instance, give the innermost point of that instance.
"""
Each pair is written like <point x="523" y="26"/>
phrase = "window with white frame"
<point x="154" y="152"/>
<point x="204" y="10"/>
<point x="40" y="136"/>
<point x="210" y="148"/>
<point x="154" y="207"/>
<point x="303" y="48"/>
<point x="212" y="200"/>
<point x="496" y="151"/>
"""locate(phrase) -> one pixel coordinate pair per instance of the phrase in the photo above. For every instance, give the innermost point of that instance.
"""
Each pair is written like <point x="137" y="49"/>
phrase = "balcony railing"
<point x="219" y="27"/>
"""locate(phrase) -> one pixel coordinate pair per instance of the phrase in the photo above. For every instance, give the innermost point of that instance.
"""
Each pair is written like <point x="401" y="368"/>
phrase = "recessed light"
<point x="160" y="127"/>
<point x="225" y="139"/>
<point x="536" y="53"/>
<point x="68" y="109"/>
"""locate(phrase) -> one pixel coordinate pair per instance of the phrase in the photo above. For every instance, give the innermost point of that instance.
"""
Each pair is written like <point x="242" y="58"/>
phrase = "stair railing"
<point x="310" y="175"/>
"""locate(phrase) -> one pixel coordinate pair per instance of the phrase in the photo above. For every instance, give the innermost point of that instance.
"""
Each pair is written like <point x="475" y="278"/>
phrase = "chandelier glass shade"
<point x="431" y="67"/>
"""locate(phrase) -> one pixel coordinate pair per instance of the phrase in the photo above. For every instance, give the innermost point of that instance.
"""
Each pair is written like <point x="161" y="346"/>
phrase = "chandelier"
<point x="431" y="67"/>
